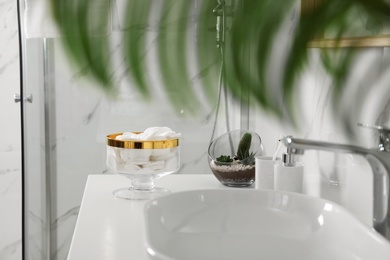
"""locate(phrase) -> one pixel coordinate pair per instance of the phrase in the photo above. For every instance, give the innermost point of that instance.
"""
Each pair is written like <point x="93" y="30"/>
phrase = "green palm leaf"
<point x="172" y="55"/>
<point x="208" y="55"/>
<point x="85" y="37"/>
<point x="134" y="42"/>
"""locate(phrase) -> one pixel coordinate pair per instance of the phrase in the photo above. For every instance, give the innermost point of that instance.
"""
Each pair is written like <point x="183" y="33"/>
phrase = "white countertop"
<point x="111" y="228"/>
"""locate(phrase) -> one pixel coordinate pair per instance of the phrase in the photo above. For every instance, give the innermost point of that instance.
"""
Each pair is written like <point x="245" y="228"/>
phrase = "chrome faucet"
<point x="379" y="160"/>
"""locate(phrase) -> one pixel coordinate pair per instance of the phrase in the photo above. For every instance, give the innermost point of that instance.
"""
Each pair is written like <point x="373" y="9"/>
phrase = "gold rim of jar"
<point x="141" y="144"/>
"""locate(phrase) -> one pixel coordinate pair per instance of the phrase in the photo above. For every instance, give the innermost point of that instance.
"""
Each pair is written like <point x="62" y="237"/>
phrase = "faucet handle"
<point x="384" y="135"/>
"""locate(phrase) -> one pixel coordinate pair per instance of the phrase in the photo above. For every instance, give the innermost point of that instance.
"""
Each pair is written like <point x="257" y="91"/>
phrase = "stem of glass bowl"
<point x="143" y="184"/>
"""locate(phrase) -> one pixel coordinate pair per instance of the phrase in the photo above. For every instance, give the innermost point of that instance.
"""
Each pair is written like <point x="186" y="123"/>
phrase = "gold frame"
<point x="351" y="42"/>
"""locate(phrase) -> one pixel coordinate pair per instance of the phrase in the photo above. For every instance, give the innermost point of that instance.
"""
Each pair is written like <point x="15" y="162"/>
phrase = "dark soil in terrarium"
<point x="234" y="174"/>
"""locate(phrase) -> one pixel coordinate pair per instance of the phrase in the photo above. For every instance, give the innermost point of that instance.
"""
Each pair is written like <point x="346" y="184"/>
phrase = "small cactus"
<point x="224" y="158"/>
<point x="244" y="146"/>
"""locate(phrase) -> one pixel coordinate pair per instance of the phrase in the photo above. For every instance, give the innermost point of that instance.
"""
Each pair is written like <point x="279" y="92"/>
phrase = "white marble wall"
<point x="10" y="142"/>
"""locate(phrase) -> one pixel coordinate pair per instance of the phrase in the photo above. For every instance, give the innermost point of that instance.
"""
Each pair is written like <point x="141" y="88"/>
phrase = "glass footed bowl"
<point x="237" y="173"/>
<point x="142" y="162"/>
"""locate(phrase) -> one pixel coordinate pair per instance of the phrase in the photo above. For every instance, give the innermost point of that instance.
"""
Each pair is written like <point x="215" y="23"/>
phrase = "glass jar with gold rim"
<point x="142" y="161"/>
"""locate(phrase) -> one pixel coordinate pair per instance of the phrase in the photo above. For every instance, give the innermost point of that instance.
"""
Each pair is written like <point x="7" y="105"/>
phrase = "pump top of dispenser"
<point x="288" y="159"/>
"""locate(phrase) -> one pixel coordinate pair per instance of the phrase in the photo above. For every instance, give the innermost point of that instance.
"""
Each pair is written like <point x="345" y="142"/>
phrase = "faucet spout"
<point x="380" y="164"/>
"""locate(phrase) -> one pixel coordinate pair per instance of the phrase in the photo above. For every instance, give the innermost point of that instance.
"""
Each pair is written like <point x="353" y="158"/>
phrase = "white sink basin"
<point x="255" y="224"/>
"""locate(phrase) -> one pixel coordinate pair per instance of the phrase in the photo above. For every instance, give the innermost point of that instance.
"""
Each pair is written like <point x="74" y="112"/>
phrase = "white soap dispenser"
<point x="289" y="174"/>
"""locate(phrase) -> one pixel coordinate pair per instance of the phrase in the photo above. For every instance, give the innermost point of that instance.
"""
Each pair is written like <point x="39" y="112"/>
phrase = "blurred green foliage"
<point x="253" y="29"/>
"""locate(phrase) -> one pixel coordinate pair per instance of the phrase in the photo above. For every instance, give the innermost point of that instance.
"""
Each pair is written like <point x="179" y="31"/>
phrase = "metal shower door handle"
<point x="28" y="98"/>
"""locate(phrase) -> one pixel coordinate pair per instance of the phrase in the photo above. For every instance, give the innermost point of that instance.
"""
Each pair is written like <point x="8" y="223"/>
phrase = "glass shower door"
<point x="38" y="149"/>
